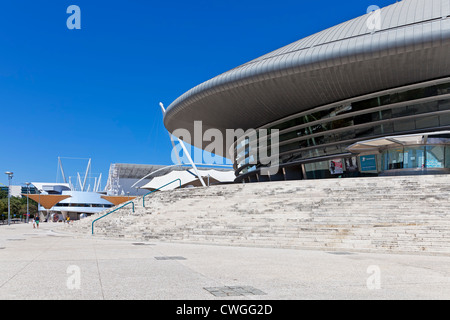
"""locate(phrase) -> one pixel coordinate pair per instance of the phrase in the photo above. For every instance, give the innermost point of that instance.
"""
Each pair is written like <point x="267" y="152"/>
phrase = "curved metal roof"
<point x="345" y="61"/>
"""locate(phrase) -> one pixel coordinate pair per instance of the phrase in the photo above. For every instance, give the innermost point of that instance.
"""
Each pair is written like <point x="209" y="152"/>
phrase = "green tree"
<point x="3" y="209"/>
<point x="32" y="208"/>
<point x="18" y="207"/>
<point x="15" y="203"/>
<point x="3" y="194"/>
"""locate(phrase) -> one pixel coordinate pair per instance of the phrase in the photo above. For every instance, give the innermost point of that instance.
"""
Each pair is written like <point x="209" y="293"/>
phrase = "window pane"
<point x="395" y="158"/>
<point x="443" y="88"/>
<point x="404" y="125"/>
<point x="444" y="120"/>
<point x="384" y="161"/>
<point x="447" y="157"/>
<point x="414" y="158"/>
<point x="444" y="104"/>
<point x="427" y="122"/>
<point x="427" y="107"/>
<point x="435" y="157"/>
<point x="317" y="170"/>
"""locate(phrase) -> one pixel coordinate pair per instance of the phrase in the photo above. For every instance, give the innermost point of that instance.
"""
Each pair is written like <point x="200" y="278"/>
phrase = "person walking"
<point x="36" y="220"/>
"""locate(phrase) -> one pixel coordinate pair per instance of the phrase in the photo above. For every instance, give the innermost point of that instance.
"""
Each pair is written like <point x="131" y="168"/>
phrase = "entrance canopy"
<point x="375" y="145"/>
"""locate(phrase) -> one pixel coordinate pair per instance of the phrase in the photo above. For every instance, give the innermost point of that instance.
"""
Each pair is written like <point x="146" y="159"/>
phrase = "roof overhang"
<point x="47" y="200"/>
<point x="116" y="200"/>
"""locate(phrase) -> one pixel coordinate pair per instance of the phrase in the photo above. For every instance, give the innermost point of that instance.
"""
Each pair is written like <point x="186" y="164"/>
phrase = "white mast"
<point x="99" y="182"/>
<point x="79" y="180"/>
<point x="62" y="170"/>
<point x="86" y="174"/>
<point x="184" y="149"/>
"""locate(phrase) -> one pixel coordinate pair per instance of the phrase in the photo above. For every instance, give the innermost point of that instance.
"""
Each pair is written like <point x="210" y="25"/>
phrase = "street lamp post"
<point x="28" y="193"/>
<point x="10" y="175"/>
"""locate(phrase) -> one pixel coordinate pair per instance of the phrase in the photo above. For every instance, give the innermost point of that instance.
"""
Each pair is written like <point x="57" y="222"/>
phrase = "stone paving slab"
<point x="234" y="291"/>
<point x="51" y="264"/>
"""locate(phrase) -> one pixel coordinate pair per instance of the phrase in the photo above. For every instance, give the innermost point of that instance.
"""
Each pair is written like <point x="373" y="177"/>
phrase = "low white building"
<point x="76" y="205"/>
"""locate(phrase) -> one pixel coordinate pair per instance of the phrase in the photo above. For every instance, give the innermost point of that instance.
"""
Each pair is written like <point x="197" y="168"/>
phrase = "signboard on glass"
<point x="336" y="166"/>
<point x="368" y="163"/>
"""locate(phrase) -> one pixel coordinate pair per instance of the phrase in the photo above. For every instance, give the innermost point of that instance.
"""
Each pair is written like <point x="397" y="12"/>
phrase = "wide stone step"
<point x="394" y="214"/>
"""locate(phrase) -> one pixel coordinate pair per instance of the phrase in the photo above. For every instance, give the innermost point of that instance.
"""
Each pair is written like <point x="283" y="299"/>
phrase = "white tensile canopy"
<point x="170" y="182"/>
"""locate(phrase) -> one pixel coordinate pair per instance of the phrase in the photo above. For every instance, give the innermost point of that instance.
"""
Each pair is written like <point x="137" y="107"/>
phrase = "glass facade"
<point x="328" y="130"/>
<point x="84" y="205"/>
<point x="416" y="157"/>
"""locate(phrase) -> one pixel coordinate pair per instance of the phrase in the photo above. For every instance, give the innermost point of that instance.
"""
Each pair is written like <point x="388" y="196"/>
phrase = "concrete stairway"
<point x="384" y="214"/>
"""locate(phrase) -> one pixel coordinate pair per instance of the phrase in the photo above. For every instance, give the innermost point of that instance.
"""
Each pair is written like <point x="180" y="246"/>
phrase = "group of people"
<point x="36" y="221"/>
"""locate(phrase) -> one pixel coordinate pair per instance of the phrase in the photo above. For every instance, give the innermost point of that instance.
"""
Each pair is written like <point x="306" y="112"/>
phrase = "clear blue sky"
<point x="94" y="92"/>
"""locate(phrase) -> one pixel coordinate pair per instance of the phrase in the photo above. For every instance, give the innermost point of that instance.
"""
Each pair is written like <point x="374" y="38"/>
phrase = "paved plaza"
<point x="47" y="263"/>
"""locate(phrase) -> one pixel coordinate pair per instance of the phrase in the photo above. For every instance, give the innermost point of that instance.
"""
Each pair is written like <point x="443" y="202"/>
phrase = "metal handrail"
<point x="131" y="202"/>
<point x="143" y="198"/>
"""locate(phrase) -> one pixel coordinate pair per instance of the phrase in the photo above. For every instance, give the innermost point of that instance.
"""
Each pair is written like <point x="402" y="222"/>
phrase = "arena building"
<point x="384" y="77"/>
